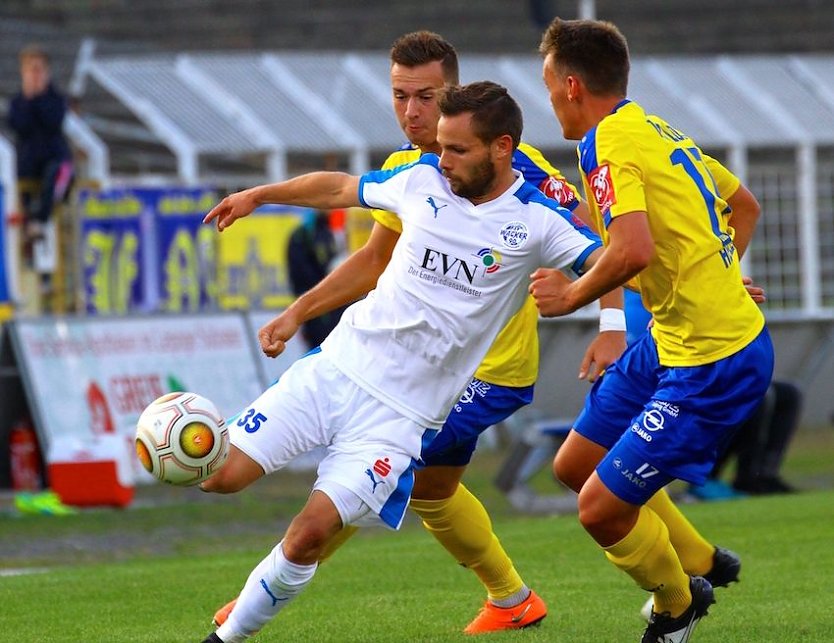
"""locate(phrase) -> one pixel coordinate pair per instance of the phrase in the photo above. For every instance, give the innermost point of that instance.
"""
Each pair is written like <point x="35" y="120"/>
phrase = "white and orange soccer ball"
<point x="181" y="438"/>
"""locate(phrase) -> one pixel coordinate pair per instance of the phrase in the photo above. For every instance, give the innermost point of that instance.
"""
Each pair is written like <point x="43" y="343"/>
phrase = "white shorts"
<point x="371" y="450"/>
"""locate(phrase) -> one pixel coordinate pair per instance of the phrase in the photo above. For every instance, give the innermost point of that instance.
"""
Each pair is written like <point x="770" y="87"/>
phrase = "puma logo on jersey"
<point x="434" y="206"/>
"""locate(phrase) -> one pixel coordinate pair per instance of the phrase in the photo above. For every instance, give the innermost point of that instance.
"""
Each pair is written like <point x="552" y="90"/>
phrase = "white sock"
<point x="513" y="599"/>
<point x="270" y="586"/>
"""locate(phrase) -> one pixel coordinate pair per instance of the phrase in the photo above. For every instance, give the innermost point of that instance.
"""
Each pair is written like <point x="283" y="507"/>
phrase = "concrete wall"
<point x="804" y="354"/>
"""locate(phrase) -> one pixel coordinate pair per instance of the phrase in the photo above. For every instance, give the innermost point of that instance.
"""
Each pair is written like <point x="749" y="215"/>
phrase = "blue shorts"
<point x="481" y="406"/>
<point x="678" y="419"/>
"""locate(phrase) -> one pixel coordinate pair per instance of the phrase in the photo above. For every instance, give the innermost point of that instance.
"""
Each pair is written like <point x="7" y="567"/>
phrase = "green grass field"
<point x="157" y="571"/>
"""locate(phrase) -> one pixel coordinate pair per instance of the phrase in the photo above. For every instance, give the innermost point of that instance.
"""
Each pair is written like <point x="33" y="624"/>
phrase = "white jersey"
<point x="458" y="273"/>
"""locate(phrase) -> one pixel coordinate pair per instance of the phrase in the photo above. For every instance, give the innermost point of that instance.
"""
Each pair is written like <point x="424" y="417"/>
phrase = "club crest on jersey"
<point x="514" y="234"/>
<point x="558" y="190"/>
<point x="602" y="188"/>
<point x="491" y="259"/>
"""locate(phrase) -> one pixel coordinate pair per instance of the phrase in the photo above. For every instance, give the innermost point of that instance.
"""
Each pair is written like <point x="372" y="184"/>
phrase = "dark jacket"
<point x="38" y="125"/>
<point x="311" y="249"/>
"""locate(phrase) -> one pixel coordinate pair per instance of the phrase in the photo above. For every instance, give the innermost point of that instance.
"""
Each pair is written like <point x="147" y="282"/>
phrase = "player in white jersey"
<point x="387" y="376"/>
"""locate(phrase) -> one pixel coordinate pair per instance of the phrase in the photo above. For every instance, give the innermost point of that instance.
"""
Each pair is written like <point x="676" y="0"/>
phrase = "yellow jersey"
<point x="632" y="162"/>
<point x="513" y="359"/>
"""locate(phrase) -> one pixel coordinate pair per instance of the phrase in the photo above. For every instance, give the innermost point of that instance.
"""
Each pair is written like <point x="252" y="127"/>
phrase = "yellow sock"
<point x="337" y="541"/>
<point x="648" y="557"/>
<point x="461" y="524"/>
<point x="694" y="551"/>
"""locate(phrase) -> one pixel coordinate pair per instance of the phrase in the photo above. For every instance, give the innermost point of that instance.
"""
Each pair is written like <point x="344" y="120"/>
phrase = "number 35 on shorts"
<point x="251" y="421"/>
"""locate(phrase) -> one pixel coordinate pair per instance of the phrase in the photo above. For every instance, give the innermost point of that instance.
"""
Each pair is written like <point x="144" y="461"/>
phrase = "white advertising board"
<point x="90" y="376"/>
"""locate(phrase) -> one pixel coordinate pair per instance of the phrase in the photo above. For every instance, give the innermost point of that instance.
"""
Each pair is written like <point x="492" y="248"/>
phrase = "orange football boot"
<point x="492" y="618"/>
<point x="223" y="613"/>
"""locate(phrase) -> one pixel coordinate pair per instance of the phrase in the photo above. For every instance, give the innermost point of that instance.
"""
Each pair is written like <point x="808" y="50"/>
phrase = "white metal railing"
<point x="84" y="138"/>
<point x="732" y="104"/>
<point x="8" y="179"/>
<point x="330" y="120"/>
<point x="169" y="132"/>
<point x="236" y="110"/>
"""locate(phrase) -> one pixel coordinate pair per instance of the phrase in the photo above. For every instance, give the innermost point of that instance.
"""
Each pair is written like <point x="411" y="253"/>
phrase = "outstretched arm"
<point x="320" y="190"/>
<point x="352" y="279"/>
<point x="630" y="249"/>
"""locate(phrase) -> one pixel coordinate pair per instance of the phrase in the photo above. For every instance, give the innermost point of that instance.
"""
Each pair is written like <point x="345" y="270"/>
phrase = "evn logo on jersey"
<point x="454" y="267"/>
<point x="491" y="259"/>
<point x="602" y="188"/>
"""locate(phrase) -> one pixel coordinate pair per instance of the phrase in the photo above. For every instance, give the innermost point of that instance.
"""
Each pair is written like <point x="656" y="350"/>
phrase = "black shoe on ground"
<point x="763" y="486"/>
<point x="726" y="566"/>
<point x="663" y="628"/>
<point x="213" y="638"/>
<point x="775" y="484"/>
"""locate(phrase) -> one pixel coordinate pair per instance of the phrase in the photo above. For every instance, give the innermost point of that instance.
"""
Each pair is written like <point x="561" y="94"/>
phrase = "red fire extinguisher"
<point x="25" y="457"/>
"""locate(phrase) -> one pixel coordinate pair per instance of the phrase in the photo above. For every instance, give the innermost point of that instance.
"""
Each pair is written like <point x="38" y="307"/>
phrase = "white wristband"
<point x="611" y="319"/>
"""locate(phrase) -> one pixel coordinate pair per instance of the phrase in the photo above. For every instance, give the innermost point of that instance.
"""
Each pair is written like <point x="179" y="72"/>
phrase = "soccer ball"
<point x="181" y="438"/>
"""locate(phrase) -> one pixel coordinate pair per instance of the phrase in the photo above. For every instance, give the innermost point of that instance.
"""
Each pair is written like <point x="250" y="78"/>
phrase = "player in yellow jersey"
<point x="422" y="63"/>
<point x="676" y="222"/>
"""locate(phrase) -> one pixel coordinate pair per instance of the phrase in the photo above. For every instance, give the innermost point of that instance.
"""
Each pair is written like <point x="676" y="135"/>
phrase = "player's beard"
<point x="481" y="180"/>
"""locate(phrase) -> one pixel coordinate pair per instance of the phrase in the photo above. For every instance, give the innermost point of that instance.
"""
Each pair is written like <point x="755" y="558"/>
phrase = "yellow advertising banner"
<point x="358" y="225"/>
<point x="252" y="260"/>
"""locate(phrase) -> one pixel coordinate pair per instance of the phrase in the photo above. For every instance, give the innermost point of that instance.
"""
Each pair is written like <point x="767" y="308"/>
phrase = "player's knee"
<point x="593" y="515"/>
<point x="566" y="472"/>
<point x="606" y="517"/>
<point x="590" y="516"/>
<point x="434" y="492"/>
<point x="304" y="544"/>
<point x="436" y="483"/>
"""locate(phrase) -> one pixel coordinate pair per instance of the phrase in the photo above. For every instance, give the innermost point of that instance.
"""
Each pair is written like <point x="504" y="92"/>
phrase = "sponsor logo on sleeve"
<point x="558" y="190"/>
<point x="602" y="188"/>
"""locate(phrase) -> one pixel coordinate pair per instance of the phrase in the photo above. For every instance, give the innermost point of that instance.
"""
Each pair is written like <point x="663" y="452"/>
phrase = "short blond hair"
<point x="33" y="51"/>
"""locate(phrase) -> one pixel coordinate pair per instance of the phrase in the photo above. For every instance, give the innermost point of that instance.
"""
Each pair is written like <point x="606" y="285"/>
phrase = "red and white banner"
<point x="86" y="377"/>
